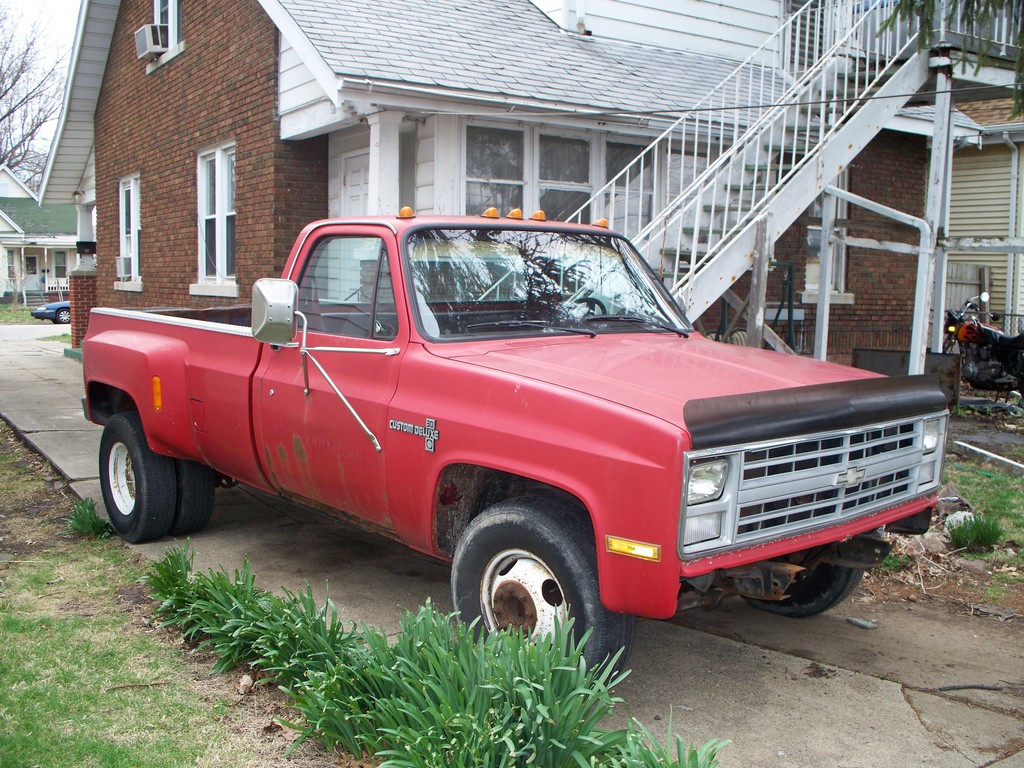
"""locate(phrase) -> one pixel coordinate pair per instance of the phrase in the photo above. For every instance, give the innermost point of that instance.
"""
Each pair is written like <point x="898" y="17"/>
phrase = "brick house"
<point x="200" y="137"/>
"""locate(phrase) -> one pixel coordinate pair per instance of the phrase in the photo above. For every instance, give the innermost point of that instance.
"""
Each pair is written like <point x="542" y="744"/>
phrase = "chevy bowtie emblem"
<point x="852" y="476"/>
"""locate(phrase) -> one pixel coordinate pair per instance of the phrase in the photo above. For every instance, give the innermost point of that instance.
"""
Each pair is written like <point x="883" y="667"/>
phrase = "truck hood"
<point x="651" y="373"/>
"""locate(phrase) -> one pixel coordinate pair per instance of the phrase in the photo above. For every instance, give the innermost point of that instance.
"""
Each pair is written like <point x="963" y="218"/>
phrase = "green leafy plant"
<point x="979" y="532"/>
<point x="86" y="521"/>
<point x="440" y="693"/>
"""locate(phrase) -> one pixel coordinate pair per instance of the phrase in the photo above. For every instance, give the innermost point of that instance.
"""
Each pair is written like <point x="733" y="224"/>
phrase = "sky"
<point x="57" y="20"/>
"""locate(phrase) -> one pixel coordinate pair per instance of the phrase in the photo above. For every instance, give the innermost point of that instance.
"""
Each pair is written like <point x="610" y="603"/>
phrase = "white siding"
<point x="980" y="207"/>
<point x="731" y="28"/>
<point x="296" y="85"/>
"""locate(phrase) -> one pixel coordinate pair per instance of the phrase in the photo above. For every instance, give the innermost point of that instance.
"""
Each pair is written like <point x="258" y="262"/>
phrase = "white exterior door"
<point x="355" y="184"/>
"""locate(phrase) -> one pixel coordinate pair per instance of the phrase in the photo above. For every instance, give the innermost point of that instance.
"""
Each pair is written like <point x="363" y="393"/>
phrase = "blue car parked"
<point x="55" y="312"/>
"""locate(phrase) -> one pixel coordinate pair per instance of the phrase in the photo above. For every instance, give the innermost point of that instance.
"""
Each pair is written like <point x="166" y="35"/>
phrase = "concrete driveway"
<point x="810" y="692"/>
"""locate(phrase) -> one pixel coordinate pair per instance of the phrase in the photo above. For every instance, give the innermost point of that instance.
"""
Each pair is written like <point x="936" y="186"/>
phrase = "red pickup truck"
<point x="524" y="399"/>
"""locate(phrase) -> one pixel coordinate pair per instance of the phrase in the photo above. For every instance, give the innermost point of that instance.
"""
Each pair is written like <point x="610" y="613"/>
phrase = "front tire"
<point x="822" y="588"/>
<point x="139" y="486"/>
<point x="63" y="317"/>
<point x="528" y="563"/>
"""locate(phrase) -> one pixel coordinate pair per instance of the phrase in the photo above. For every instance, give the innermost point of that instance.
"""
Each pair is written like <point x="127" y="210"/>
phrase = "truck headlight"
<point x="932" y="433"/>
<point x="706" y="481"/>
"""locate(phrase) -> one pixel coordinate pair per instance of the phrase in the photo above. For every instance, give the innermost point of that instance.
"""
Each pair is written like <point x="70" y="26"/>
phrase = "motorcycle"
<point x="990" y="359"/>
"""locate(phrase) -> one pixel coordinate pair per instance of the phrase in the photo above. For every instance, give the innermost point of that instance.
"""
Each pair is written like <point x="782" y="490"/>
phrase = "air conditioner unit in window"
<point x="151" y="41"/>
<point x="124" y="267"/>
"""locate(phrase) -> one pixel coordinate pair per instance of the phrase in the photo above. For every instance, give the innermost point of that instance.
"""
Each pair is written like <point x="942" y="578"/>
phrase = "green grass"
<point x="992" y="494"/>
<point x="15" y="313"/>
<point x="79" y="686"/>
<point x="82" y="683"/>
<point x="63" y="337"/>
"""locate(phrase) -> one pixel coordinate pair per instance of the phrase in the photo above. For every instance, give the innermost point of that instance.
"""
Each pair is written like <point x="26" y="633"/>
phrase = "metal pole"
<point x="828" y="217"/>
<point x="933" y="292"/>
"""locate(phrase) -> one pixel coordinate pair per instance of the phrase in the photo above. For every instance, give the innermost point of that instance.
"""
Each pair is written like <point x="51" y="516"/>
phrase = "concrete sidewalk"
<point x="787" y="694"/>
<point x="41" y="397"/>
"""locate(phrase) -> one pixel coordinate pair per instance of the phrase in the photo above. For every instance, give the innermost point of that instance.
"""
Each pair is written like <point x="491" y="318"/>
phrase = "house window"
<point x="631" y="197"/>
<point x="129" y="226"/>
<point x="168" y="13"/>
<point x="217" y="215"/>
<point x="494" y="169"/>
<point x="564" y="175"/>
<point x="60" y="264"/>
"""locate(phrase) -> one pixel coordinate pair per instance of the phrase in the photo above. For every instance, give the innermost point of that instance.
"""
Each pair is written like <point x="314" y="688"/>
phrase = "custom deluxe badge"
<point x="428" y="432"/>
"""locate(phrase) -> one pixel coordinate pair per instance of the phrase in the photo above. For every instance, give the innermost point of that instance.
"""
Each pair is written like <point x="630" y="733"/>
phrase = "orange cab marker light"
<point x="539" y="216"/>
<point x="631" y="548"/>
<point x="515" y="213"/>
<point x="490" y="213"/>
<point x="406" y="213"/>
<point x="603" y="223"/>
<point x="158" y="394"/>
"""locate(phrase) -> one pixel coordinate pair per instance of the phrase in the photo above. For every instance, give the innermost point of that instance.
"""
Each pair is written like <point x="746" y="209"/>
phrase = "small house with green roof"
<point x="36" y="242"/>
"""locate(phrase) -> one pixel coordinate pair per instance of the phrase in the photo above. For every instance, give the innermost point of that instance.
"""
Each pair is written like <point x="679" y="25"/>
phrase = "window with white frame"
<point x="629" y="200"/>
<point x="168" y="13"/>
<point x="564" y="166"/>
<point x="60" y="264"/>
<point x="495" y="159"/>
<point x="217" y="215"/>
<point x="535" y="167"/>
<point x="129" y="228"/>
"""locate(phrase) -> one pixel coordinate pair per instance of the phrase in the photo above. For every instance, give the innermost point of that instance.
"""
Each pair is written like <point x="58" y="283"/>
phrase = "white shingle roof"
<point x="506" y="47"/>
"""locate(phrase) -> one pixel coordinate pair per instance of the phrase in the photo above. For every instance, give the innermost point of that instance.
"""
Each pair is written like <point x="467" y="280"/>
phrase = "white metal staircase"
<point x="760" y="147"/>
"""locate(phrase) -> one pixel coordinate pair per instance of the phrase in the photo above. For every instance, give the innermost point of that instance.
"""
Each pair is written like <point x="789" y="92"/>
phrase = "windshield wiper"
<point x="636" y="320"/>
<point x="543" y="324"/>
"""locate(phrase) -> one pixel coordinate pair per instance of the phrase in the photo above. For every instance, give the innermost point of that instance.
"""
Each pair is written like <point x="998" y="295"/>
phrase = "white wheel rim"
<point x="519" y="591"/>
<point x="121" y="478"/>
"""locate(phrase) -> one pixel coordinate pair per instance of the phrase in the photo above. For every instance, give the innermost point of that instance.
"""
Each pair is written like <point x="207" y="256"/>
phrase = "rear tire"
<point x="139" y="487"/>
<point x="819" y="590"/>
<point x="527" y="562"/>
<point x="194" y="505"/>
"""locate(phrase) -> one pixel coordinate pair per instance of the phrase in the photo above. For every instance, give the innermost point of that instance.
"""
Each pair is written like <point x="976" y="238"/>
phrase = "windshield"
<point x="473" y="282"/>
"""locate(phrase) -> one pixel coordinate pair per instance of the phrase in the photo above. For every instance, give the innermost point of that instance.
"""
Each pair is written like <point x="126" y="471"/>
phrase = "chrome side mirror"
<point x="273" y="310"/>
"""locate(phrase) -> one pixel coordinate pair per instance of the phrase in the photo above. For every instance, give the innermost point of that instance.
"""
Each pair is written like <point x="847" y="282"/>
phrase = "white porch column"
<point x="86" y="231"/>
<point x="383" y="178"/>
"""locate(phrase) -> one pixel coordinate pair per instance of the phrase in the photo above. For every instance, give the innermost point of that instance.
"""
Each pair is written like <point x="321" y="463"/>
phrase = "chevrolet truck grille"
<point x="799" y="484"/>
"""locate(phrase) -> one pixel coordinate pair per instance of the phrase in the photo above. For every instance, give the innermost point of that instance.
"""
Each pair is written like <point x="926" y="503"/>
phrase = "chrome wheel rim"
<point x="121" y="477"/>
<point x="520" y="592"/>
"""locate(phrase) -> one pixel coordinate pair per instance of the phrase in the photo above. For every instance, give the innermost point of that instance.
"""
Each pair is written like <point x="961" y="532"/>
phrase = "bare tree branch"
<point x="30" y="97"/>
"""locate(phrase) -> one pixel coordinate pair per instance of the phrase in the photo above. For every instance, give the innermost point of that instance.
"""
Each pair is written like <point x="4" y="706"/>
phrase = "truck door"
<point x="313" y="446"/>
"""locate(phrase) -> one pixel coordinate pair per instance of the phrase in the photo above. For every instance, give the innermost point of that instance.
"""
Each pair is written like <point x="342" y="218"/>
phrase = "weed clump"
<point x="85" y="520"/>
<point x="975" y="533"/>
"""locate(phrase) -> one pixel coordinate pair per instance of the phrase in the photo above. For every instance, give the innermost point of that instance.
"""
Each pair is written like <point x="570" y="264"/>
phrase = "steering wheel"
<point x="594" y="306"/>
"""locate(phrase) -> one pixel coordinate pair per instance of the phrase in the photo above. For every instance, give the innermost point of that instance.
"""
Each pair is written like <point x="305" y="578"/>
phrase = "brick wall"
<point x="892" y="170"/>
<point x="221" y="88"/>
<point x="82" y="295"/>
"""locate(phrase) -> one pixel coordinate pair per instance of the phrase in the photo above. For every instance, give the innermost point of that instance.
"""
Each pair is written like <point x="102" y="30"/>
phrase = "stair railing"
<point x="737" y="186"/>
